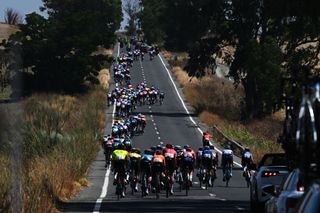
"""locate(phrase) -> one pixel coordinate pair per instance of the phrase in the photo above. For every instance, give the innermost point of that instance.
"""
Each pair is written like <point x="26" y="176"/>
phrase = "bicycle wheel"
<point x="227" y="177"/>
<point x="248" y="178"/>
<point x="187" y="183"/>
<point x="157" y="185"/>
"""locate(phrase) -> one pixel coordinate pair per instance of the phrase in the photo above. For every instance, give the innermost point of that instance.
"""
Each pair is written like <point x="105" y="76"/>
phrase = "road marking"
<point x="212" y="195"/>
<point x="184" y="106"/>
<point x="104" y="191"/>
<point x="157" y="133"/>
<point x="159" y="139"/>
<point x="161" y="142"/>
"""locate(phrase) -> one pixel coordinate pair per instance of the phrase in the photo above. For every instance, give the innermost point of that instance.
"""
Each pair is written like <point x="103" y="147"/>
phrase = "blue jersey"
<point x="146" y="157"/>
<point x="207" y="154"/>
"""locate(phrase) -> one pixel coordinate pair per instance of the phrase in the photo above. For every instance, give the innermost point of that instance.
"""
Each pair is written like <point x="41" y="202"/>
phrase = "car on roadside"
<point x="286" y="196"/>
<point x="310" y="202"/>
<point x="270" y="172"/>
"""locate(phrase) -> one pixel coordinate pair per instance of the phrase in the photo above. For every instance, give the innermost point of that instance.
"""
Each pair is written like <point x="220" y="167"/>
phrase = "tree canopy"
<point x="57" y="51"/>
<point x="271" y="40"/>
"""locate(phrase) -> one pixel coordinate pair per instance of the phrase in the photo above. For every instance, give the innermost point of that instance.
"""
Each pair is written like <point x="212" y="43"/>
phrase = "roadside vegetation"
<point x="217" y="102"/>
<point x="61" y="138"/>
<point x="55" y="68"/>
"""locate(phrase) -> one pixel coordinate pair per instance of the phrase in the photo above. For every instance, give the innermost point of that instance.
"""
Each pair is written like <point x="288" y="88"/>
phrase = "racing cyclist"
<point x="120" y="163"/>
<point x="171" y="163"/>
<point x="226" y="160"/>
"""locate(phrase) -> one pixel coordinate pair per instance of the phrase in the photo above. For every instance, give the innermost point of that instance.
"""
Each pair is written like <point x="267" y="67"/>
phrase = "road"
<point x="169" y="123"/>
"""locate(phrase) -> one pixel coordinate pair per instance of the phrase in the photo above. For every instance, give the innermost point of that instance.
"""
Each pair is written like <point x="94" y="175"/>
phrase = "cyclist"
<point x="207" y="162"/>
<point x="246" y="159"/>
<point x="161" y="97"/>
<point x="171" y="163"/>
<point x="199" y="158"/>
<point x="205" y="139"/>
<point x="158" y="165"/>
<point x="188" y="161"/>
<point x="145" y="166"/>
<point x="135" y="156"/>
<point x="226" y="160"/>
<point x="120" y="162"/>
<point x="128" y="144"/>
<point x="215" y="160"/>
<point x="107" y="142"/>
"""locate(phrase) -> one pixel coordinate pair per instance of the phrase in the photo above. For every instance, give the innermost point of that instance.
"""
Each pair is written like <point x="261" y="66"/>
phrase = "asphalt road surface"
<point x="168" y="123"/>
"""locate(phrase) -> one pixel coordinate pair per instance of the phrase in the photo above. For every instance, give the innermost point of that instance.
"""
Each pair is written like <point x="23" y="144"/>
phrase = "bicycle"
<point x="157" y="184"/>
<point x="120" y="185"/>
<point x="187" y="180"/>
<point x="168" y="183"/>
<point x="227" y="174"/>
<point x="247" y="175"/>
<point x="145" y="186"/>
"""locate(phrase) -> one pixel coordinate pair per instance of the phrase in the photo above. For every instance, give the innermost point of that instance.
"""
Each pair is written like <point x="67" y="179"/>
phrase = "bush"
<point x="61" y="141"/>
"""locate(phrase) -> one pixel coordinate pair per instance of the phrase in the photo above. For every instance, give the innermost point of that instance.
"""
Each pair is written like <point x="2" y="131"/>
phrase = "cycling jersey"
<point x="171" y="158"/>
<point x="119" y="154"/>
<point x="227" y="157"/>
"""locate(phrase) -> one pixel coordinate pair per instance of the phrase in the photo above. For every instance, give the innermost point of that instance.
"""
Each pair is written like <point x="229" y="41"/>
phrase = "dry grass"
<point x="62" y="140"/>
<point x="217" y="102"/>
<point x="5" y="181"/>
<point x="6" y="30"/>
<point x="104" y="78"/>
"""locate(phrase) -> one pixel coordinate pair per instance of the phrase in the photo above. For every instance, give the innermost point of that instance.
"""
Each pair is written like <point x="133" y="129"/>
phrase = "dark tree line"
<point x="57" y="52"/>
<point x="272" y="40"/>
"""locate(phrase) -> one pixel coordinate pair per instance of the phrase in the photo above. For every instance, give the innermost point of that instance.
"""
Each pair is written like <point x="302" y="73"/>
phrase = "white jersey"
<point x="247" y="155"/>
<point x="227" y="152"/>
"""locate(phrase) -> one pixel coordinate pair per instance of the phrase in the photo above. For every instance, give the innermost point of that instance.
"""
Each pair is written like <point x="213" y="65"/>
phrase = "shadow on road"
<point x="168" y="114"/>
<point x="163" y="205"/>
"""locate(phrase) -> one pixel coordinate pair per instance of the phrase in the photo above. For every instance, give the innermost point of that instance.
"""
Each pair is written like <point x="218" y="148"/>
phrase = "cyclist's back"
<point x="171" y="158"/>
<point x="227" y="160"/>
<point x="246" y="158"/>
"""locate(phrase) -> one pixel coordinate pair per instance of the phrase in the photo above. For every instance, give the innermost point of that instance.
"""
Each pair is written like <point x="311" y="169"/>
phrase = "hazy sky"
<point x="24" y="7"/>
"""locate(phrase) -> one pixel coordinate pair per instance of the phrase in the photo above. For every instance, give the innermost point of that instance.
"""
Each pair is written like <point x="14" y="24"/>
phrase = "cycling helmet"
<point x="169" y="146"/>
<point x="158" y="152"/>
<point x="159" y="147"/>
<point x="189" y="149"/>
<point x="200" y="149"/>
<point x="206" y="148"/>
<point x="135" y="150"/>
<point x="148" y="152"/>
<point x="186" y="146"/>
<point x="227" y="147"/>
<point x="121" y="146"/>
<point x="246" y="149"/>
<point x="177" y="147"/>
<point x="211" y="146"/>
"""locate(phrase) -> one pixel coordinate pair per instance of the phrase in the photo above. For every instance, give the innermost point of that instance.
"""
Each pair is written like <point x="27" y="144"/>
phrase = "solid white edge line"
<point x="104" y="190"/>
<point x="184" y="106"/>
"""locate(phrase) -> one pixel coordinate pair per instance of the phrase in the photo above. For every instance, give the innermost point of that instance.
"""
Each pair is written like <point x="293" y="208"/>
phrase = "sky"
<point x="26" y="6"/>
<point x="22" y="6"/>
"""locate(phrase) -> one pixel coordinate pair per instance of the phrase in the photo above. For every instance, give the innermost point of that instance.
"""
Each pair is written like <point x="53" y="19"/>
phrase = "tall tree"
<point x="58" y="50"/>
<point x="132" y="9"/>
<point x="12" y="16"/>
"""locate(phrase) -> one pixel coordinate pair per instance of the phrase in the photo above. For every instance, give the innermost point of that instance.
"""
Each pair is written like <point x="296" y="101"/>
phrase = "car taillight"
<point x="291" y="203"/>
<point x="300" y="188"/>
<point x="269" y="173"/>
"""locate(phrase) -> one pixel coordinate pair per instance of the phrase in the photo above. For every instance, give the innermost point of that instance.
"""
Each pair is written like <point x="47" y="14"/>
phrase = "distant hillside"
<point x="6" y="30"/>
